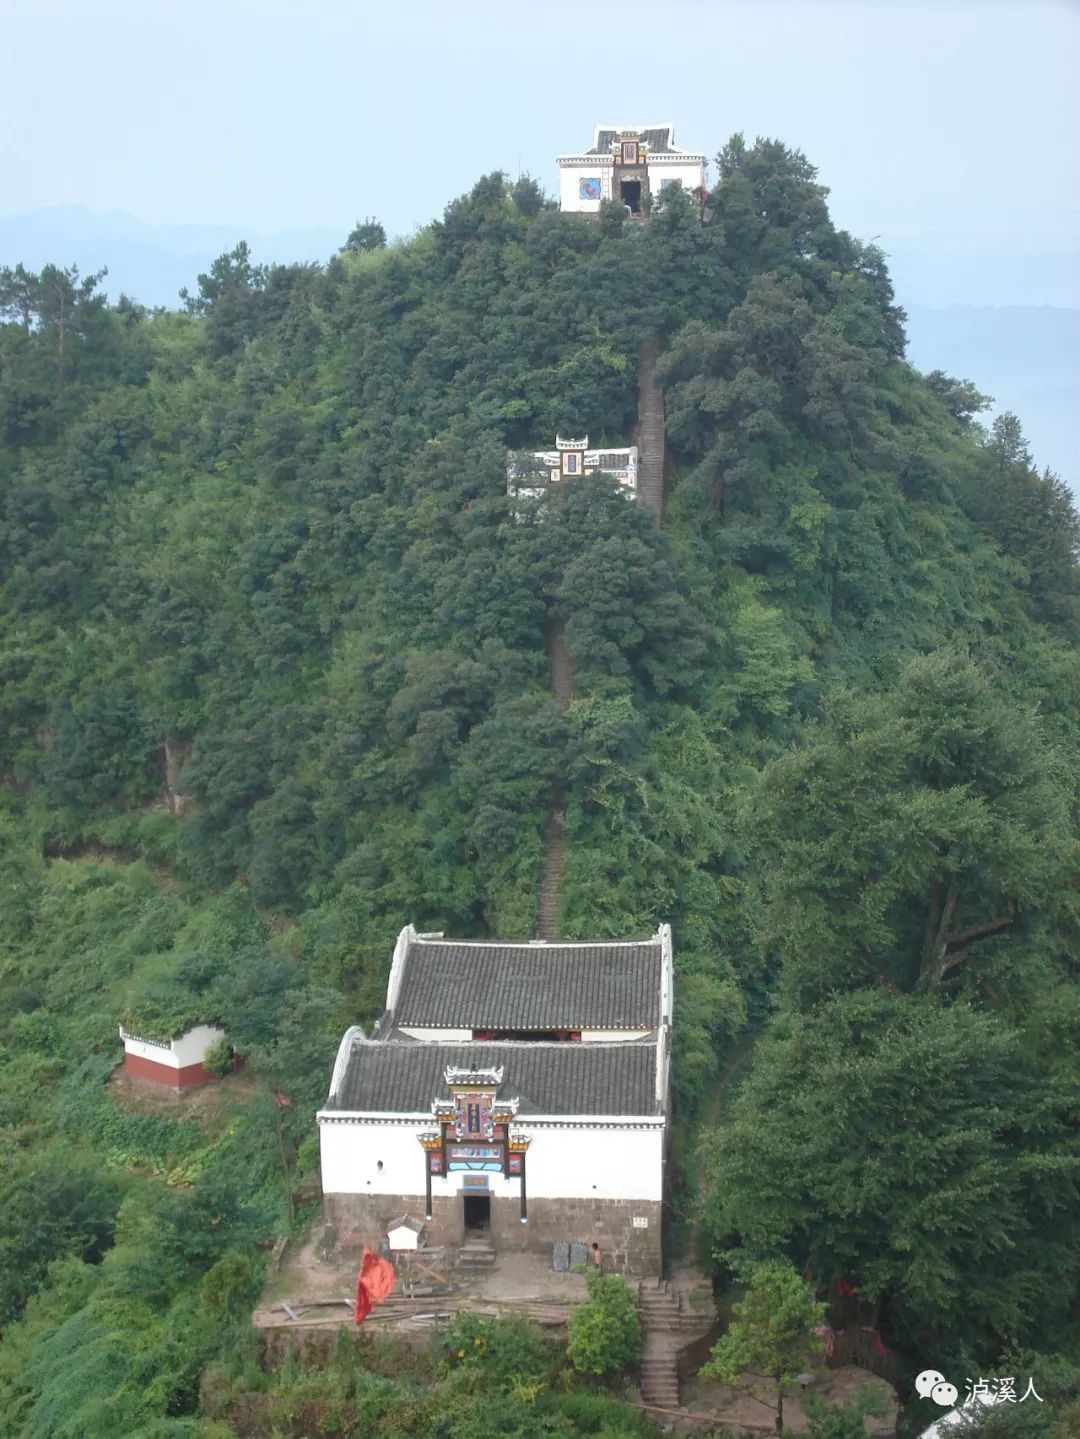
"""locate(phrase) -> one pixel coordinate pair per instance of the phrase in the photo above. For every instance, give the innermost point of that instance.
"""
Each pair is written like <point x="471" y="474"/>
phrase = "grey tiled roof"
<point x="446" y="984"/>
<point x="404" y="1076"/>
<point x="658" y="141"/>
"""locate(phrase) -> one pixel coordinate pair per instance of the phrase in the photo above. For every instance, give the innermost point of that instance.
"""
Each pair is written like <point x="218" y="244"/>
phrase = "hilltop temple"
<point x="511" y="1095"/>
<point x="627" y="163"/>
<point x="528" y="475"/>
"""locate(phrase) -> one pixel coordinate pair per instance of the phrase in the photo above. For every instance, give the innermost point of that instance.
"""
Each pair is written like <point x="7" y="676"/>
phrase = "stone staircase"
<point x="476" y="1252"/>
<point x="650" y="433"/>
<point x="561" y="668"/>
<point x="667" y="1325"/>
<point x="547" y="920"/>
<point x="658" y="1310"/>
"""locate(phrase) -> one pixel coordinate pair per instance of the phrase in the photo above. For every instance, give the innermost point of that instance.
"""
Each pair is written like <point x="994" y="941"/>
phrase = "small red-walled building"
<point x="177" y="1063"/>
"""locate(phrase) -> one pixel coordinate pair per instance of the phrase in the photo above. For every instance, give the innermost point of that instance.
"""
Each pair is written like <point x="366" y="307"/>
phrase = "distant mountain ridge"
<point x="150" y="263"/>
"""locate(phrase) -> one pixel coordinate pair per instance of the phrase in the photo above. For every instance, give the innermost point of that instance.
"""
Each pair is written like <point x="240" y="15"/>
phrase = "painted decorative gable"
<point x="627" y="163"/>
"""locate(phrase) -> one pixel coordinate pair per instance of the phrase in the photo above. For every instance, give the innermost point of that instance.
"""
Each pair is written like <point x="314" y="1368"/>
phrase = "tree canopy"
<point x="274" y="681"/>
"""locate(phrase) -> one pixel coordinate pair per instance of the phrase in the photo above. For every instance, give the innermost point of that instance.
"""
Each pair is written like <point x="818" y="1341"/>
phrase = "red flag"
<point x="373" y="1284"/>
<point x="378" y="1274"/>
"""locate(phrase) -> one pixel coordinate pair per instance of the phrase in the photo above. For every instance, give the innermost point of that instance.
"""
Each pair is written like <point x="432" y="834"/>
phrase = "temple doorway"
<point x="477" y="1212"/>
<point x="630" y="193"/>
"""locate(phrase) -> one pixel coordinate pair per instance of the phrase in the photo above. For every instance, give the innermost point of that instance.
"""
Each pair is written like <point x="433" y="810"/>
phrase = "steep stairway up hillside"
<point x="547" y="922"/>
<point x="561" y="668"/>
<point x="650" y="434"/>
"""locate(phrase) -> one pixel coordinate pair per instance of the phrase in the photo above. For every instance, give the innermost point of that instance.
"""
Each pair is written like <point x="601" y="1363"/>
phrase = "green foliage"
<point x="838" y="1421"/>
<point x="365" y="236"/>
<point x="274" y="680"/>
<point x="773" y="1330"/>
<point x="59" y="1205"/>
<point x="604" y="1332"/>
<point x="509" y="1351"/>
<point x="911" y="1149"/>
<point x="921" y="838"/>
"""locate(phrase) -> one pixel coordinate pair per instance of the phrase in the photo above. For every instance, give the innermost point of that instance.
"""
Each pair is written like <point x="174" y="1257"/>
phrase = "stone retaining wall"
<point x="627" y="1248"/>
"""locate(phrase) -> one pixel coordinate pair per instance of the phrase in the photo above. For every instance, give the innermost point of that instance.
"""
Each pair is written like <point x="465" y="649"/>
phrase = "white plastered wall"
<point x="397" y="966"/>
<point x="598" y="1163"/>
<point x="569" y="176"/>
<point x="690" y="174"/>
<point x="437" y="1036"/>
<point x="464" y="1036"/>
<point x="190" y="1048"/>
<point x="352" y="1152"/>
<point x="563" y="1162"/>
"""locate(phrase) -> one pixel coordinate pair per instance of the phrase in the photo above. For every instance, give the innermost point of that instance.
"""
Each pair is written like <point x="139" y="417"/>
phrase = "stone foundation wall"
<point x="358" y="1219"/>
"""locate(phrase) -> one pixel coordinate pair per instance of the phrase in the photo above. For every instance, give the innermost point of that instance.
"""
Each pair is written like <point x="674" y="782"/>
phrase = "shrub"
<point x="605" y="1333"/>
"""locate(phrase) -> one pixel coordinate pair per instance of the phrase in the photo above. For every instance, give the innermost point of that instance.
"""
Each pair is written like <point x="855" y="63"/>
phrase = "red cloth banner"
<point x="374" y="1283"/>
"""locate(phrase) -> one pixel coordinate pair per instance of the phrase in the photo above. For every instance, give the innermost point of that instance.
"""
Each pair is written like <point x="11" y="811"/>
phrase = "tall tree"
<point x="914" y="1149"/>
<point x="916" y="839"/>
<point x="773" y="1331"/>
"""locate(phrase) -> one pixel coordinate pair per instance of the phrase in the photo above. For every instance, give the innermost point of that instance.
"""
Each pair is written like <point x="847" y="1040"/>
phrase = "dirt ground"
<point x="739" y="1407"/>
<point x="308" y="1276"/>
<point x="319" y="1287"/>
<point x="202" y="1105"/>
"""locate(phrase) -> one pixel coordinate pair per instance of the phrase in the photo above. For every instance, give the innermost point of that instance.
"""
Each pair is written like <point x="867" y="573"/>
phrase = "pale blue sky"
<point x="926" y="117"/>
<point x="945" y="128"/>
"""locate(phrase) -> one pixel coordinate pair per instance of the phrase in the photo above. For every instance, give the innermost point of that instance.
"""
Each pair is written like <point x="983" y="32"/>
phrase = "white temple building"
<point x="627" y="162"/>
<point x="528" y="474"/>
<point x="512" y="1094"/>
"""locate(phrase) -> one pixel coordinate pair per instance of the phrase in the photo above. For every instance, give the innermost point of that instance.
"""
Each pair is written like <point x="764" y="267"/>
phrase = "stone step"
<point x="547" y="919"/>
<point x="650" y="430"/>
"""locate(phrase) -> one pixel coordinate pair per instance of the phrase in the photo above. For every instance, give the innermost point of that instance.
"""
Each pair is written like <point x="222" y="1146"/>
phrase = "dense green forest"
<point x="274" y="682"/>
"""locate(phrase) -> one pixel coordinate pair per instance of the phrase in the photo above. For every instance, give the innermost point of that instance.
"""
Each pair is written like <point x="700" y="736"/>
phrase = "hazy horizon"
<point x="944" y="132"/>
<point x="951" y="119"/>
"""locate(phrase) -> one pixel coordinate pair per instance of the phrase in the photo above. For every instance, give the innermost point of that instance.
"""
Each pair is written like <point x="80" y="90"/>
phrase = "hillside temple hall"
<point x="515" y="1091"/>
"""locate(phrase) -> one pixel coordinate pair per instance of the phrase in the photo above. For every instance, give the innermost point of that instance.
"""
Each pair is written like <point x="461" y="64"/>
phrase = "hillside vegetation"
<point x="274" y="682"/>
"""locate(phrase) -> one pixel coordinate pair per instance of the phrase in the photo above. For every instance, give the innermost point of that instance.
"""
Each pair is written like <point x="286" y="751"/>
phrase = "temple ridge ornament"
<point x="473" y="1077"/>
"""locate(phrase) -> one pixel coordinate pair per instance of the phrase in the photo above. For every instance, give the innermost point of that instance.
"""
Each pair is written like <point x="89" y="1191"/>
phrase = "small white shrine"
<point x="178" y="1063"/>
<point x="627" y="162"/>
<point x="404" y="1235"/>
<point x="529" y="474"/>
